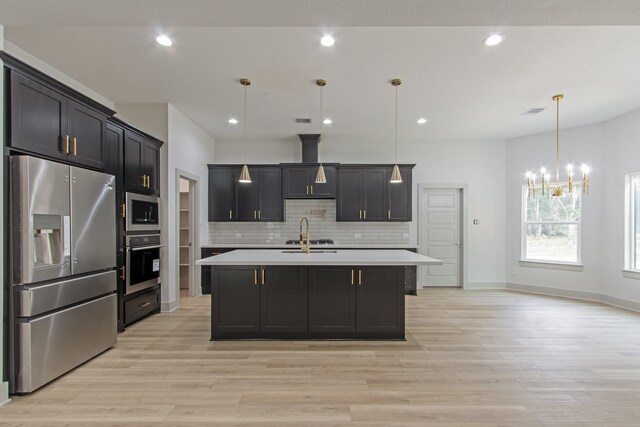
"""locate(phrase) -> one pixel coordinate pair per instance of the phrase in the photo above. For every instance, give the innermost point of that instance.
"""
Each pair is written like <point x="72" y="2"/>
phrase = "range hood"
<point x="309" y="147"/>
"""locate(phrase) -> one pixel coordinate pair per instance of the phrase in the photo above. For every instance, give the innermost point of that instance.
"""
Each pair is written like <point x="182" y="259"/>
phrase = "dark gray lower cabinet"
<point x="380" y="302"/>
<point x="283" y="301"/>
<point x="307" y="302"/>
<point x="332" y="301"/>
<point x="235" y="302"/>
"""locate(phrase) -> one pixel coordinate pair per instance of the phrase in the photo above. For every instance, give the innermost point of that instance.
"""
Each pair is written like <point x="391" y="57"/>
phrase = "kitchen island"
<point x="324" y="294"/>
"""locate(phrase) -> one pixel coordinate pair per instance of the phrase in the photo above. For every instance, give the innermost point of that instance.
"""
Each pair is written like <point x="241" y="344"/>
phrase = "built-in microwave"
<point x="142" y="213"/>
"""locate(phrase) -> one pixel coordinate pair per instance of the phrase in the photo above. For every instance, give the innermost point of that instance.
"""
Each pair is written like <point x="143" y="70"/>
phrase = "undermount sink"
<point x="313" y="251"/>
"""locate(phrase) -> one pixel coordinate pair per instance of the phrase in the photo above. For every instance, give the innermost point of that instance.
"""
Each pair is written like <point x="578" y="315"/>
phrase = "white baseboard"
<point x="4" y="394"/>
<point x="474" y="286"/>
<point x="569" y="293"/>
<point x="166" y="307"/>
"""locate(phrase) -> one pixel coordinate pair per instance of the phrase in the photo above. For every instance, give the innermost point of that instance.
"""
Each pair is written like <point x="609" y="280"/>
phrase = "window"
<point x="551" y="227"/>
<point x="632" y="261"/>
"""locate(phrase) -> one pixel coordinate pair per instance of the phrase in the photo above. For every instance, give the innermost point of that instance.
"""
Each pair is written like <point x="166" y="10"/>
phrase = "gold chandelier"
<point x="245" y="178"/>
<point x="556" y="189"/>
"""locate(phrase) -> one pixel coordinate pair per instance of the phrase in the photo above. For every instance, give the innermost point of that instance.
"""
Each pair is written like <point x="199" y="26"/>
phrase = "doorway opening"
<point x="442" y="235"/>
<point x="187" y="210"/>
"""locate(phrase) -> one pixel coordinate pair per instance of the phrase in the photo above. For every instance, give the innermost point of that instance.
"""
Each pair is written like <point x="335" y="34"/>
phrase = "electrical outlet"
<point x="476" y="221"/>
<point x="238" y="234"/>
<point x="405" y="235"/>
<point x="514" y="271"/>
<point x="357" y="235"/>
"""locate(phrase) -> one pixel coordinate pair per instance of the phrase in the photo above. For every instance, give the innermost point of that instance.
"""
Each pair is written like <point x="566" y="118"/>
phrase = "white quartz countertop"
<point x="337" y="257"/>
<point x="334" y="246"/>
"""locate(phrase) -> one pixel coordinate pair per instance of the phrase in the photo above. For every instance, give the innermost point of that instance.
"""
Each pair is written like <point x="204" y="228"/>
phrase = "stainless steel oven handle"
<point x="142" y="248"/>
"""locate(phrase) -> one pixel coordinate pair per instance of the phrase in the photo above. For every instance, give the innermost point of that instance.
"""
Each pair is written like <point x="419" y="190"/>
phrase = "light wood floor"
<point x="471" y="359"/>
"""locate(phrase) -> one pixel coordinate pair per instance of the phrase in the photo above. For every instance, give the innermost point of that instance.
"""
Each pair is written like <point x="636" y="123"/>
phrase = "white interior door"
<point x="440" y="237"/>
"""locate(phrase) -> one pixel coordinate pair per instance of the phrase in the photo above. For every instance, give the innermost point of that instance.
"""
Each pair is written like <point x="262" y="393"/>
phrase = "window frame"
<point x="523" y="232"/>
<point x="630" y="246"/>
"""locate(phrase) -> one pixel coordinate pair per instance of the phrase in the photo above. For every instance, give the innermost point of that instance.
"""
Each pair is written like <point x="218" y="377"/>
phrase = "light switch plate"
<point x="238" y="234"/>
<point x="357" y="235"/>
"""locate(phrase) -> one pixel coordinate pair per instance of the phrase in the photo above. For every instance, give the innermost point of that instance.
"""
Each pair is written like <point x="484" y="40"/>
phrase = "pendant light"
<point x="396" y="177"/>
<point x="244" y="173"/>
<point x="320" y="176"/>
<point x="556" y="189"/>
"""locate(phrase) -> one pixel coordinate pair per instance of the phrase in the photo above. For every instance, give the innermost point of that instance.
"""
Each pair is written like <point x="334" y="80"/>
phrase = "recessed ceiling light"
<point x="493" y="40"/>
<point x="327" y="41"/>
<point x="327" y="121"/>
<point x="164" y="40"/>
<point x="422" y="121"/>
<point x="233" y="121"/>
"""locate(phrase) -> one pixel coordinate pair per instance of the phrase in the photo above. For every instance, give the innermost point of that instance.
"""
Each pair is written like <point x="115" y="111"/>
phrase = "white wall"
<point x="190" y="150"/>
<point x="612" y="149"/>
<point x="479" y="164"/>
<point x="39" y="64"/>
<point x="4" y="389"/>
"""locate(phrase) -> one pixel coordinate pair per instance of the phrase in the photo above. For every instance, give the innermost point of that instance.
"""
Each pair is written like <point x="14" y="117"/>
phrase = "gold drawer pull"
<point x="75" y="146"/>
<point x="359" y="277"/>
<point x="67" y="148"/>
<point x="146" y="304"/>
<point x="255" y="277"/>
<point x="230" y="214"/>
<point x="352" y="276"/>
<point x="263" y="277"/>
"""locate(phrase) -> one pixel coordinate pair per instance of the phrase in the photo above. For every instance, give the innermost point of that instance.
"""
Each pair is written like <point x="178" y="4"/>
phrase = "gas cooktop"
<point x="313" y="242"/>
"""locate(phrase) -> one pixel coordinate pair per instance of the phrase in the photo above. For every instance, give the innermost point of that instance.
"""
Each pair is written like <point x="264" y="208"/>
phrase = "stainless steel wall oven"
<point x="143" y="262"/>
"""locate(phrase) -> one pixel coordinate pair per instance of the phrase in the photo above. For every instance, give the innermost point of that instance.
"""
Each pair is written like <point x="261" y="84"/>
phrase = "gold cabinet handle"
<point x="124" y="210"/>
<point x="122" y="273"/>
<point x="312" y="189"/>
<point x="365" y="214"/>
<point x="146" y="304"/>
<point x="75" y="146"/>
<point x="259" y="214"/>
<point x="359" y="277"/>
<point x="255" y="277"/>
<point x="389" y="214"/>
<point x="255" y="214"/>
<point x="360" y="213"/>
<point x="144" y="180"/>
<point x="307" y="189"/>
<point x="352" y="276"/>
<point x="148" y="181"/>
<point x="67" y="147"/>
<point x="263" y="276"/>
<point x="230" y="214"/>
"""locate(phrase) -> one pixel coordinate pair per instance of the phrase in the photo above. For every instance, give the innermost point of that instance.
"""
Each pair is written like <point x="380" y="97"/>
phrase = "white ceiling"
<point x="465" y="89"/>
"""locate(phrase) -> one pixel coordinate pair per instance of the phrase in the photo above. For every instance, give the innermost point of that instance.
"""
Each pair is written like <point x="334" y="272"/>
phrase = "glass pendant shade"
<point x="396" y="177"/>
<point x="244" y="174"/>
<point x="320" y="176"/>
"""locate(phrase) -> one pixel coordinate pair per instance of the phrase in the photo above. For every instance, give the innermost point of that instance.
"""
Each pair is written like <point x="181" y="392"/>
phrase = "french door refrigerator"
<point x="63" y="299"/>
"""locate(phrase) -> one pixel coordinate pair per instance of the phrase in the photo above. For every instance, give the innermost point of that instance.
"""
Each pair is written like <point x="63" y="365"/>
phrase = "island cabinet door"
<point x="332" y="301"/>
<point x="380" y="302"/>
<point x="235" y="302"/>
<point x="283" y="301"/>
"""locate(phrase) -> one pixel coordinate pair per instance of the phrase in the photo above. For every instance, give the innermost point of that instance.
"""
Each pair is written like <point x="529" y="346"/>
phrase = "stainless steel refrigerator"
<point x="63" y="268"/>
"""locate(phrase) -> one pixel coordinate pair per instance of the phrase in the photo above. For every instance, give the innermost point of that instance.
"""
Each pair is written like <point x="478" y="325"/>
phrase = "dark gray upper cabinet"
<point x="258" y="200"/>
<point x="375" y="194"/>
<point x="222" y="182"/>
<point x="299" y="182"/>
<point x="38" y="118"/>
<point x="365" y="194"/>
<point x="88" y="133"/>
<point x="46" y="122"/>
<point x="269" y="200"/>
<point x="113" y="153"/>
<point x="399" y="196"/>
<point x="141" y="163"/>
<point x="350" y="194"/>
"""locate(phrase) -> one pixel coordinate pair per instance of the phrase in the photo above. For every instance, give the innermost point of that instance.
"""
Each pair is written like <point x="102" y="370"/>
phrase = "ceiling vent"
<point x="302" y="121"/>
<point x="532" y="111"/>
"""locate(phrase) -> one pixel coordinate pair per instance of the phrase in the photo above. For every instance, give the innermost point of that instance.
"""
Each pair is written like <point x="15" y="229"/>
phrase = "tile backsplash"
<point x="322" y="220"/>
